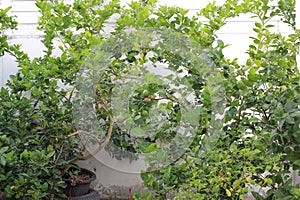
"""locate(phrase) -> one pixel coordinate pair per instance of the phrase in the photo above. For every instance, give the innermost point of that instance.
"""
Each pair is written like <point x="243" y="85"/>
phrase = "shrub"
<point x="255" y="143"/>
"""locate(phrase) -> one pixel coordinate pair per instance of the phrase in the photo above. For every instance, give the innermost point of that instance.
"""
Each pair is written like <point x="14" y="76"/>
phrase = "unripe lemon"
<point x="144" y="113"/>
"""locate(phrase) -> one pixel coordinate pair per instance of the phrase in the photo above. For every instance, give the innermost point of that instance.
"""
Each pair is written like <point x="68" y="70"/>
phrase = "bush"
<point x="254" y="144"/>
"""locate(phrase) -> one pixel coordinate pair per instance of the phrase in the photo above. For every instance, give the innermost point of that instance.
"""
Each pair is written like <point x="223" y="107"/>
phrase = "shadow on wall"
<point x="116" y="179"/>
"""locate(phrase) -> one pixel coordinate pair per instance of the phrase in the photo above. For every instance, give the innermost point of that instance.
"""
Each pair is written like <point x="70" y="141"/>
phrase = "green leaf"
<point x="44" y="187"/>
<point x="138" y="132"/>
<point x="256" y="30"/>
<point x="9" y="156"/>
<point x="151" y="148"/>
<point x="13" y="129"/>
<point x="270" y="26"/>
<point x="257" y="196"/>
<point x="2" y="161"/>
<point x="228" y="193"/>
<point x="252" y="74"/>
<point x="296" y="191"/>
<point x="258" y="25"/>
<point x="296" y="162"/>
<point x="3" y="150"/>
<point x="36" y="116"/>
<point x="256" y="41"/>
<point x="147" y="196"/>
<point x="5" y="11"/>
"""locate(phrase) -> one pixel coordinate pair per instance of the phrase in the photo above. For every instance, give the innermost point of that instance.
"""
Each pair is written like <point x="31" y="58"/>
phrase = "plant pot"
<point x="2" y="195"/>
<point x="79" y="187"/>
<point x="91" y="195"/>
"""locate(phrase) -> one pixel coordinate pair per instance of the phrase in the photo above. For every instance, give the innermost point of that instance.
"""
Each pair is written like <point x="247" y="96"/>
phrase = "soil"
<point x="81" y="177"/>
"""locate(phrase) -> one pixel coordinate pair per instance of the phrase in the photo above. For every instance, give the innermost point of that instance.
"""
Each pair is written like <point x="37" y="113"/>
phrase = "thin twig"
<point x="60" y="152"/>
<point x="72" y="134"/>
<point x="265" y="114"/>
<point x="173" y="98"/>
<point x="239" y="113"/>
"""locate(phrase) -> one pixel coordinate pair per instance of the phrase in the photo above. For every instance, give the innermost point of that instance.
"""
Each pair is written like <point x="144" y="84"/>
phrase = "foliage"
<point x="9" y="23"/>
<point x="25" y="165"/>
<point x="255" y="144"/>
<point x="36" y="118"/>
<point x="6" y="23"/>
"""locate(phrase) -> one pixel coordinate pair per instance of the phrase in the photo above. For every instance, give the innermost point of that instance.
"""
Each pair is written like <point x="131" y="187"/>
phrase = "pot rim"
<point x="85" y="171"/>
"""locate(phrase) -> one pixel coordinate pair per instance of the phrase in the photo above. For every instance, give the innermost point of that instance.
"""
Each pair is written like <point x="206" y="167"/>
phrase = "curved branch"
<point x="108" y="135"/>
<point x="102" y="145"/>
